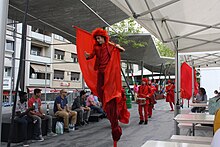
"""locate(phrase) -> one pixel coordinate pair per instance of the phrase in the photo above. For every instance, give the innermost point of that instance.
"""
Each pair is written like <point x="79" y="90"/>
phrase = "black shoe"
<point x="149" y="116"/>
<point x="82" y="123"/>
<point x="66" y="130"/>
<point x="141" y="122"/>
<point x="87" y="121"/>
<point x="38" y="138"/>
<point x="146" y="122"/>
<point x="25" y="143"/>
<point x="76" y="128"/>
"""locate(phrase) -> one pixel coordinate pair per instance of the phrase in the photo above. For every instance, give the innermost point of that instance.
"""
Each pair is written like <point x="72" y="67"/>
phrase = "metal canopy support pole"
<point x="128" y="72"/>
<point x="142" y="70"/>
<point x="177" y="87"/>
<point x="45" y="86"/>
<point x="193" y="81"/>
<point x="177" y="81"/>
<point x="127" y="84"/>
<point x="23" y="47"/>
<point x="20" y="72"/>
<point x="3" y="22"/>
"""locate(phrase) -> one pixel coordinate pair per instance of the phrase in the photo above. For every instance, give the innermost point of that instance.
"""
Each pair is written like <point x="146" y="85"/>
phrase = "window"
<point x="9" y="45"/>
<point x="75" y="76"/>
<point x="7" y="72"/>
<point x="58" y="37"/>
<point x="74" y="58"/>
<point x="58" y="74"/>
<point x="35" y="50"/>
<point x="10" y="22"/>
<point x="59" y="54"/>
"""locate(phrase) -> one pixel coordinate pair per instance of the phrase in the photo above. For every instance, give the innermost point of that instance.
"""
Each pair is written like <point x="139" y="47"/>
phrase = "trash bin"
<point x="129" y="97"/>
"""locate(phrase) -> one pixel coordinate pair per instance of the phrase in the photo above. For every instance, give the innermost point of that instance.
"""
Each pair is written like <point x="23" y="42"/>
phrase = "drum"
<point x="141" y="101"/>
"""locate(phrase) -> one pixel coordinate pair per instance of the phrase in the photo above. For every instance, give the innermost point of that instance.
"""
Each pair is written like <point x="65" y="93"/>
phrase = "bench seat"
<point x="191" y="139"/>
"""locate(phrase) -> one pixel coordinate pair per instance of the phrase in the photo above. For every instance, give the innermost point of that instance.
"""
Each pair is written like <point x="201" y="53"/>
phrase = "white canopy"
<point x="193" y="25"/>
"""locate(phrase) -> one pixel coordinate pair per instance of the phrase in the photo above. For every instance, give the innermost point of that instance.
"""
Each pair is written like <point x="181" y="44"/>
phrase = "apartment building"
<point x="43" y="52"/>
<point x="66" y="70"/>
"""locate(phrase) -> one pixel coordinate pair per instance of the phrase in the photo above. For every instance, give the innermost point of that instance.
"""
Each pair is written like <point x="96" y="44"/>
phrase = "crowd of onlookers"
<point x="30" y="111"/>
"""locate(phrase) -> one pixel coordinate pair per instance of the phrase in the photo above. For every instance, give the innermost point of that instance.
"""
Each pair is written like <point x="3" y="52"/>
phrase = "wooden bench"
<point x="17" y="132"/>
<point x="191" y="139"/>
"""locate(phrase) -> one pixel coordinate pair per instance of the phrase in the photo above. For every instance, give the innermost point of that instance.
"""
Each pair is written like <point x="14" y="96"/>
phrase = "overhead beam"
<point x="42" y="21"/>
<point x="199" y="44"/>
<point x="161" y="37"/>
<point x="155" y="8"/>
<point x="198" y="39"/>
<point x="194" y="32"/>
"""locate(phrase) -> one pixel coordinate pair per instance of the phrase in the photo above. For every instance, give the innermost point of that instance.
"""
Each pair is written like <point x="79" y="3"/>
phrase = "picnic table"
<point x="198" y="104"/>
<point x="195" y="118"/>
<point x="153" y="143"/>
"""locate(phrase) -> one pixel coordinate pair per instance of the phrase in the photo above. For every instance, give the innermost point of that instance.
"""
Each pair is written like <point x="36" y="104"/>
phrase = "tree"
<point x="164" y="50"/>
<point x="125" y="28"/>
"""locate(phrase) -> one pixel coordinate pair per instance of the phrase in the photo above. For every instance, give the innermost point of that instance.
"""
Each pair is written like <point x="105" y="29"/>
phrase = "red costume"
<point x="170" y="94"/>
<point x="102" y="73"/>
<point x="144" y="92"/>
<point x="151" y="100"/>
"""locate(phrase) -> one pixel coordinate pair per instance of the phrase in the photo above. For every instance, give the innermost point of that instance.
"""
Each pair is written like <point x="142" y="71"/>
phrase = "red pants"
<point x="100" y="83"/>
<point x="150" y="110"/>
<point x="111" y="109"/>
<point x="112" y="114"/>
<point x="140" y="109"/>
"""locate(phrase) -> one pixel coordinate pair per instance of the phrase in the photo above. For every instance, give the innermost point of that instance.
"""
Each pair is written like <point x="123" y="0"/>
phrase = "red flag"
<point x="186" y="81"/>
<point x="84" y="42"/>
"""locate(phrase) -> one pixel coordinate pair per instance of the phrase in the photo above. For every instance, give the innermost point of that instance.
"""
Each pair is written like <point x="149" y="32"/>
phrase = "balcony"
<point x="40" y="59"/>
<point x="41" y="37"/>
<point x="38" y="82"/>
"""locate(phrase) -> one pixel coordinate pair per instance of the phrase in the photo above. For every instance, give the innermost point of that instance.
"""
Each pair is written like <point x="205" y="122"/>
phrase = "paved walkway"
<point x="98" y="134"/>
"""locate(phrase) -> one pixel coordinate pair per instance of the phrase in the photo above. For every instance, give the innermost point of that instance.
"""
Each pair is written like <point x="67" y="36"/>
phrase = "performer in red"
<point x="108" y="84"/>
<point x="152" y="100"/>
<point x="170" y="94"/>
<point x="144" y="93"/>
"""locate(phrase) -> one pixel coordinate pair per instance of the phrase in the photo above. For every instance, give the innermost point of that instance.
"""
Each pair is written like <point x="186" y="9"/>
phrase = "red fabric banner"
<point x="186" y="81"/>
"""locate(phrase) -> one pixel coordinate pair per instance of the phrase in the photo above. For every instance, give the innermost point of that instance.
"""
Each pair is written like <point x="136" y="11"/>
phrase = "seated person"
<point x="96" y="100"/>
<point x="201" y="97"/>
<point x="37" y="113"/>
<point x="90" y="102"/>
<point x="79" y="105"/>
<point x="23" y="117"/>
<point x="61" y="109"/>
<point x="214" y="104"/>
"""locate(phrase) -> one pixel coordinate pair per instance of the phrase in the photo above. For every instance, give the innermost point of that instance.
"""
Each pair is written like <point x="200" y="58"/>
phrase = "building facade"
<point x="51" y="62"/>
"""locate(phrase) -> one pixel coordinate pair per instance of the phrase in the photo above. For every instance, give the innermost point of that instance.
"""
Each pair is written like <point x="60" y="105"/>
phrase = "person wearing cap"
<point x="144" y="94"/>
<point x="22" y="116"/>
<point x="170" y="94"/>
<point x="79" y="105"/>
<point x="61" y="109"/>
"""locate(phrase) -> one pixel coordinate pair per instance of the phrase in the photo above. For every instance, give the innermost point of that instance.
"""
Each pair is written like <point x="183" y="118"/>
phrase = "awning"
<point x="40" y="68"/>
<point x="59" y="16"/>
<point x="188" y="25"/>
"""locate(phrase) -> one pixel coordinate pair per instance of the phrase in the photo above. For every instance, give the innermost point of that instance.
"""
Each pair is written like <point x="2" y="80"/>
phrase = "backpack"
<point x="216" y="125"/>
<point x="59" y="127"/>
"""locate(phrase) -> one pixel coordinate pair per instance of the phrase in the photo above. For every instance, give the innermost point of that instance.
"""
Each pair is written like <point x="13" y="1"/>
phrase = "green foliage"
<point x="125" y="28"/>
<point x="164" y="50"/>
